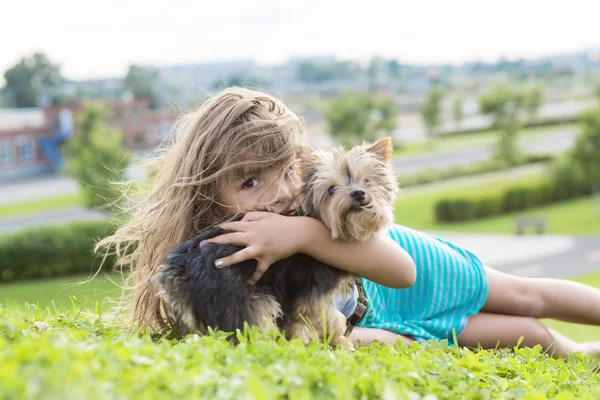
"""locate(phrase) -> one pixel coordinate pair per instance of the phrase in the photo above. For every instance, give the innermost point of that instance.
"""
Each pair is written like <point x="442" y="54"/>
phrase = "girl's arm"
<point x="379" y="259"/>
<point x="269" y="238"/>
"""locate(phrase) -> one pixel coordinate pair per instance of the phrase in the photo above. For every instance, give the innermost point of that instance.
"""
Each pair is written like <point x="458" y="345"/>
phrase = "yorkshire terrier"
<point x="351" y="192"/>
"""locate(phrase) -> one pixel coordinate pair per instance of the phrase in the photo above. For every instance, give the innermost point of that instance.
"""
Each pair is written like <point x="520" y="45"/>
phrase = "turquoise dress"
<point x="451" y="285"/>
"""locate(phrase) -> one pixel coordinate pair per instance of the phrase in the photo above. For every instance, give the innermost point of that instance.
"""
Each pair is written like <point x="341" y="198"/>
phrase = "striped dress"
<point x="451" y="285"/>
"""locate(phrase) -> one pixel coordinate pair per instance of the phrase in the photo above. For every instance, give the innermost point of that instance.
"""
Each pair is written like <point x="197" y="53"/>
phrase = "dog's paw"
<point x="343" y="342"/>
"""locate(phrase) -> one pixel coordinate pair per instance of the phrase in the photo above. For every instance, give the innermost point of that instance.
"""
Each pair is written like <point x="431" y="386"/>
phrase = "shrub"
<point x="52" y="251"/>
<point x="512" y="199"/>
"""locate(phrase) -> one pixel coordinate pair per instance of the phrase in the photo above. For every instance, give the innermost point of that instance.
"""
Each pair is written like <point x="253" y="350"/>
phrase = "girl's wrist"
<point x="310" y="231"/>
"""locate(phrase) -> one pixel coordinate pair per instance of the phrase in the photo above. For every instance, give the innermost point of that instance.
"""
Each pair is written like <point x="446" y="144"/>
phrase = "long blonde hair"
<point x="235" y="129"/>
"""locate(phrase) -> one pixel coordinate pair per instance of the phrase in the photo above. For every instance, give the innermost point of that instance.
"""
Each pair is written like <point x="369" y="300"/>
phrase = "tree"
<point x="393" y="68"/>
<point x="140" y="81"/>
<point x="430" y="111"/>
<point x="458" y="109"/>
<point x="532" y="99"/>
<point x="386" y="111"/>
<point x="238" y="80"/>
<point x="374" y="69"/>
<point x="31" y="81"/>
<point x="96" y="157"/>
<point x="309" y="72"/>
<point x="586" y="153"/>
<point x="359" y="116"/>
<point x="503" y="102"/>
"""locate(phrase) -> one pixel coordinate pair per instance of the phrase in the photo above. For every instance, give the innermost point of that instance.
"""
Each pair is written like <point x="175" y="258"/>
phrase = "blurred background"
<point x="493" y="108"/>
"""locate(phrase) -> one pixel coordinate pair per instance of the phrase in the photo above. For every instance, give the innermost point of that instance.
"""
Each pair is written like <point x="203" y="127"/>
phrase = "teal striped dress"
<point x="451" y="285"/>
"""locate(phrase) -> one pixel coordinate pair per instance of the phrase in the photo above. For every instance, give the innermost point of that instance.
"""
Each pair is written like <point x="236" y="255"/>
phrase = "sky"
<point x="95" y="39"/>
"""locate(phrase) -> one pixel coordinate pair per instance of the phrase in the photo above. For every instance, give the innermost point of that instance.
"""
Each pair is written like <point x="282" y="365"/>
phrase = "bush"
<point x="513" y="199"/>
<point x="52" y="251"/>
<point x="570" y="180"/>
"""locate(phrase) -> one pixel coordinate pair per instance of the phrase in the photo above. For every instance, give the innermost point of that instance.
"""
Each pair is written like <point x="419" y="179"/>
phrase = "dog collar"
<point x="360" y="310"/>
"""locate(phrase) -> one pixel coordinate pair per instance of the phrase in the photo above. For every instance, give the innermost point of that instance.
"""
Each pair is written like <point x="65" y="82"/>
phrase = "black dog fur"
<point x="198" y="295"/>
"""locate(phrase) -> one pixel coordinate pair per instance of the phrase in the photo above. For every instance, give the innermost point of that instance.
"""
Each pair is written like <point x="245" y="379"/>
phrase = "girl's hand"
<point x="267" y="238"/>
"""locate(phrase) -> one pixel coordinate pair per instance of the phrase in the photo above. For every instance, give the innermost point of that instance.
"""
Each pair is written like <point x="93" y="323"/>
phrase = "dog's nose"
<point x="358" y="195"/>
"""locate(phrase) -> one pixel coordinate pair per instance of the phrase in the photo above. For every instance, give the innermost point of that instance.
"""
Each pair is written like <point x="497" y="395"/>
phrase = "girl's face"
<point x="264" y="189"/>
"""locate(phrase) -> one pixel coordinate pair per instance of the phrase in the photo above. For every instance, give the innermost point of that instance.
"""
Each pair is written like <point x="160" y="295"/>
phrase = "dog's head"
<point x="353" y="191"/>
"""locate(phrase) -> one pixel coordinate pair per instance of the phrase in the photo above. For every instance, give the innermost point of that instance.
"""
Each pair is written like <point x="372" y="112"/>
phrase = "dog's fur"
<point x="197" y="295"/>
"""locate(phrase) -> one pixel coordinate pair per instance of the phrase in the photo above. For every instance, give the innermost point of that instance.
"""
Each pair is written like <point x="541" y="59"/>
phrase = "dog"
<point x="351" y="192"/>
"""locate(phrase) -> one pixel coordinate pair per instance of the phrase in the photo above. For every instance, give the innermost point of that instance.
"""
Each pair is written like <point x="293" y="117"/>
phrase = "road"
<point x="552" y="143"/>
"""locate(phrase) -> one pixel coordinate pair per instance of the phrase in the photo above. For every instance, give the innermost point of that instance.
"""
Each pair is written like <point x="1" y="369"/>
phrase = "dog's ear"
<point x="383" y="148"/>
<point x="306" y="158"/>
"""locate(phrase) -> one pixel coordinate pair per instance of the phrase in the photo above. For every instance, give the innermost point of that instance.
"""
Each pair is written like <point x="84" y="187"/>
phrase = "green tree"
<point x="375" y="68"/>
<point x="96" y="157"/>
<point x="386" y="111"/>
<point x="353" y="117"/>
<point x="597" y="92"/>
<point x="238" y="80"/>
<point x="503" y="102"/>
<point x="532" y="99"/>
<point x="458" y="109"/>
<point x="30" y="81"/>
<point x="431" y="110"/>
<point x="393" y="68"/>
<point x="309" y="72"/>
<point x="140" y="81"/>
<point x="586" y="153"/>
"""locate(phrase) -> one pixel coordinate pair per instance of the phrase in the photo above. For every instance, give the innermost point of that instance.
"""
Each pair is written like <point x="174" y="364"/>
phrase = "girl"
<point x="236" y="154"/>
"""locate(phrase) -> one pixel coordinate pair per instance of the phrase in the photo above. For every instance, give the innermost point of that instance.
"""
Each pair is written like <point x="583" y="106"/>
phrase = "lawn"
<point x="40" y="205"/>
<point x="576" y="217"/>
<point x="56" y="292"/>
<point x="477" y="139"/>
<point x="76" y="355"/>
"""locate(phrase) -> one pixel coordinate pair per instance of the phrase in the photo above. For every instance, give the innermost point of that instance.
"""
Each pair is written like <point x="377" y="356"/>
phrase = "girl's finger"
<point x="236" y="238"/>
<point x="260" y="271"/>
<point x="254" y="216"/>
<point x="238" y="226"/>
<point x="236" y="258"/>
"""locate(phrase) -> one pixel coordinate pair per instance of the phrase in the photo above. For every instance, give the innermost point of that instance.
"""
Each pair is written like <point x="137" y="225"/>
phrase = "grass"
<point x="39" y="205"/>
<point x="57" y="292"/>
<point x="480" y="139"/>
<point x="77" y="355"/>
<point x="575" y="217"/>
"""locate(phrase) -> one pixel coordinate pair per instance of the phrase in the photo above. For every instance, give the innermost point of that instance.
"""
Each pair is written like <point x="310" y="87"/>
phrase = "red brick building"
<point x="21" y="129"/>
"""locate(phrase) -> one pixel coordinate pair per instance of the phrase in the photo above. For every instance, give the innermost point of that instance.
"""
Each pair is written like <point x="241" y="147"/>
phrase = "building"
<point x="142" y="128"/>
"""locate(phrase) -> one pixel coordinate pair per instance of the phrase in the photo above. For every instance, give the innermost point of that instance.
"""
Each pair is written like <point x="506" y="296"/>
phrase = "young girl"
<point x="237" y="154"/>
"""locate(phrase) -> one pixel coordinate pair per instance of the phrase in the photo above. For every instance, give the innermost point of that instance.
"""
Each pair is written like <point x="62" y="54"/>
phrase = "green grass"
<point x="39" y="205"/>
<point x="57" y="292"/>
<point x="575" y="217"/>
<point x="480" y="139"/>
<point x="79" y="355"/>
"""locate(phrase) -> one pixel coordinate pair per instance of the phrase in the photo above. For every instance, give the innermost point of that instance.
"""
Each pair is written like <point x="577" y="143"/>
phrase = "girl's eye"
<point x="290" y="173"/>
<point x="331" y="190"/>
<point x="250" y="183"/>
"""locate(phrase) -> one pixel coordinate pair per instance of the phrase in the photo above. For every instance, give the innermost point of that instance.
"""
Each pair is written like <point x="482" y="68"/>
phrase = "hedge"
<point x="52" y="251"/>
<point x="513" y="199"/>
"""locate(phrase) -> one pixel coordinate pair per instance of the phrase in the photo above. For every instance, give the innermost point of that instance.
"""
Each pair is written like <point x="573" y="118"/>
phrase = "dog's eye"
<point x="250" y="183"/>
<point x="331" y="190"/>
<point x="366" y="180"/>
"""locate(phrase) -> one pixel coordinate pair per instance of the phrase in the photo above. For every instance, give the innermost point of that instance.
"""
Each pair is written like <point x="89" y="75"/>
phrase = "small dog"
<point x="351" y="192"/>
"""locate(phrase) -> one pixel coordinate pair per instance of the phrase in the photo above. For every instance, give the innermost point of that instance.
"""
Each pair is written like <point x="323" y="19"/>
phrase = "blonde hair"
<point x="237" y="128"/>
